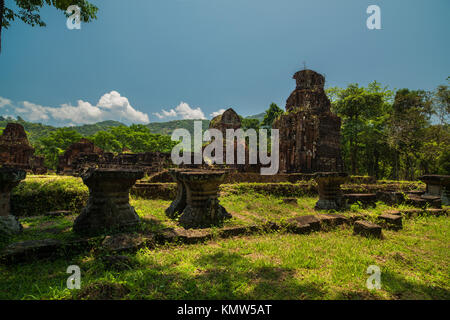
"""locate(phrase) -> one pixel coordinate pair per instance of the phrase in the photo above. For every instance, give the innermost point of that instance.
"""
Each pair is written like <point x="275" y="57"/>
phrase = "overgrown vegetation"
<point x="40" y="194"/>
<point x="323" y="265"/>
<point x="399" y="135"/>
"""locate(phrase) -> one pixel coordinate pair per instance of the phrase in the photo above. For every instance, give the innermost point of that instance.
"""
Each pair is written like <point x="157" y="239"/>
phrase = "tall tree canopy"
<point x="363" y="112"/>
<point x="271" y="114"/>
<point x="29" y="11"/>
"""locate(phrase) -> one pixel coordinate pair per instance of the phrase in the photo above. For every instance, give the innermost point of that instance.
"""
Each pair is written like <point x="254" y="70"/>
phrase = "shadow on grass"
<point x="404" y="289"/>
<point x="226" y="276"/>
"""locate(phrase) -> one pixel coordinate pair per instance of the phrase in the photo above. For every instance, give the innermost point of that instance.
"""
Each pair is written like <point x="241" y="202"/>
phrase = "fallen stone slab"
<point x="424" y="201"/>
<point x="367" y="229"/>
<point x="126" y="242"/>
<point x="366" y="199"/>
<point x="419" y="212"/>
<point x="190" y="236"/>
<point x="415" y="192"/>
<point x="304" y="224"/>
<point x="391" y="221"/>
<point x="391" y="197"/>
<point x="292" y="201"/>
<point x="437" y="212"/>
<point x="117" y="262"/>
<point x="332" y="220"/>
<point x="394" y="212"/>
<point x="29" y="250"/>
<point x="60" y="213"/>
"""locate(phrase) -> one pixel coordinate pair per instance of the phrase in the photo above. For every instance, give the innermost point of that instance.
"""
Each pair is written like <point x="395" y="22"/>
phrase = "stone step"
<point x="367" y="199"/>
<point x="292" y="201"/>
<point x="419" y="212"/>
<point x="424" y="201"/>
<point x="367" y="229"/>
<point x="391" y="221"/>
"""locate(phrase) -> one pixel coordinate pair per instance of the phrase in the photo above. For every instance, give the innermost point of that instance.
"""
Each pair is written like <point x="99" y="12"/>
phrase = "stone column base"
<point x="212" y="213"/>
<point x="9" y="226"/>
<point x="336" y="204"/>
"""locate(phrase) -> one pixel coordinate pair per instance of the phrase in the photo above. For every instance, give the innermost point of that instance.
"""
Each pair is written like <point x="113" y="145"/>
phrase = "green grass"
<point x="246" y="209"/>
<point x="414" y="264"/>
<point x="324" y="265"/>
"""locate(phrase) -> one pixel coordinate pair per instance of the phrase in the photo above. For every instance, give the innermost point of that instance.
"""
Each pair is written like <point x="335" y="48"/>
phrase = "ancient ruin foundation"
<point x="108" y="206"/>
<point x="330" y="193"/>
<point x="309" y="131"/>
<point x="84" y="154"/>
<point x="9" y="178"/>
<point x="201" y="188"/>
<point x="437" y="186"/>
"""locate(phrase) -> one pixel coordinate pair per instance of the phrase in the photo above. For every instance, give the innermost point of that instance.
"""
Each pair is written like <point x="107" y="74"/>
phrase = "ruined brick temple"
<point x="85" y="154"/>
<point x="81" y="149"/>
<point x="17" y="152"/>
<point x="309" y="131"/>
<point x="227" y="120"/>
<point x="231" y="120"/>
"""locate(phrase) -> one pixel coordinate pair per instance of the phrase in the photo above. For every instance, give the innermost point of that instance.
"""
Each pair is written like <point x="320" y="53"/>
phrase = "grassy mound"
<point x="39" y="194"/>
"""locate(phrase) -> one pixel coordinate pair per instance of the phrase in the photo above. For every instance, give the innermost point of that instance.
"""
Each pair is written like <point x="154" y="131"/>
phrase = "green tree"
<point x="138" y="138"/>
<point x="271" y="114"/>
<point x="364" y="115"/>
<point x="441" y="103"/>
<point x="407" y="127"/>
<point x="53" y="145"/>
<point x="29" y="11"/>
<point x="106" y="141"/>
<point x="250" y="124"/>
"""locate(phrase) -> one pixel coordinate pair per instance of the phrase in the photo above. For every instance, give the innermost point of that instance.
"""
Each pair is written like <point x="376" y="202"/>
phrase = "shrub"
<point x="38" y="195"/>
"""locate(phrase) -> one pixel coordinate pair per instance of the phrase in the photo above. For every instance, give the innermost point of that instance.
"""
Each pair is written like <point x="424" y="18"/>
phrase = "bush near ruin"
<point x="37" y="195"/>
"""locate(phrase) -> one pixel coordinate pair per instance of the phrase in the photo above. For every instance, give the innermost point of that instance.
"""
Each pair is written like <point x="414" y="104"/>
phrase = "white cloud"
<point x="217" y="113"/>
<point x="183" y="111"/>
<point x="33" y="112"/>
<point x="111" y="106"/>
<point x="4" y="102"/>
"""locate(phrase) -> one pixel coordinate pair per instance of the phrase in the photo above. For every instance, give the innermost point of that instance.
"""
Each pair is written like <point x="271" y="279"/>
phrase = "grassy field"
<point x="324" y="265"/>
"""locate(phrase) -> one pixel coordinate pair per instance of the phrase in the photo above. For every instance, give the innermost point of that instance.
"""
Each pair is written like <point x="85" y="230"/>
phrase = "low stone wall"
<point x="167" y="191"/>
<point x="255" y="177"/>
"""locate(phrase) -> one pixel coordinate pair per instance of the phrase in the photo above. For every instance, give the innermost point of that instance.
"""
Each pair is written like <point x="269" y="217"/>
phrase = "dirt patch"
<point x="103" y="291"/>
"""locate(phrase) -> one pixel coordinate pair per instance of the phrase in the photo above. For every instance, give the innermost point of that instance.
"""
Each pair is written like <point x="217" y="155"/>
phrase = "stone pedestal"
<point x="437" y="186"/>
<point x="108" y="207"/>
<point x="9" y="178"/>
<point x="200" y="189"/>
<point x="330" y="193"/>
<point x="178" y="205"/>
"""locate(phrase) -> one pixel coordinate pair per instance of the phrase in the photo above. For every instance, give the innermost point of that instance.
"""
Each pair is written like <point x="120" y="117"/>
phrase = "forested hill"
<point x="167" y="128"/>
<point x="36" y="131"/>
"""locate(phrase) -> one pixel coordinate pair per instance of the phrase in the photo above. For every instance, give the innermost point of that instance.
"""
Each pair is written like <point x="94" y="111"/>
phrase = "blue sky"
<point x="193" y="58"/>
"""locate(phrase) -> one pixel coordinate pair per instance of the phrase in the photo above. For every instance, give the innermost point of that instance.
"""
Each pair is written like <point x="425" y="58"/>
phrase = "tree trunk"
<point x="376" y="168"/>
<point x="396" y="160"/>
<point x="2" y="9"/>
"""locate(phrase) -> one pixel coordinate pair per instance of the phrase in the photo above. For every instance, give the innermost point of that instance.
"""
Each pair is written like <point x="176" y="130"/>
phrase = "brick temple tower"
<point x="15" y="150"/>
<point x="310" y="133"/>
